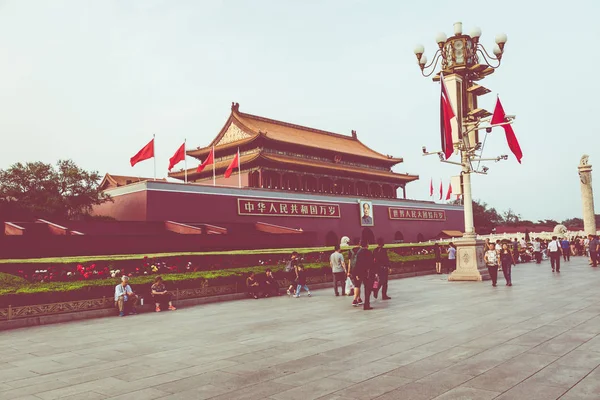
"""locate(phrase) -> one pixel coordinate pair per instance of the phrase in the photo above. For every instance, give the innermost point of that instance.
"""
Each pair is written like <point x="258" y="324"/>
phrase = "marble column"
<point x="587" y="195"/>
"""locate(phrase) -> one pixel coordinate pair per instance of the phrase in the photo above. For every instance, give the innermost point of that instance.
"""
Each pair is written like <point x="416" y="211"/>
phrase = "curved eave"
<point x="230" y="148"/>
<point x="340" y="168"/>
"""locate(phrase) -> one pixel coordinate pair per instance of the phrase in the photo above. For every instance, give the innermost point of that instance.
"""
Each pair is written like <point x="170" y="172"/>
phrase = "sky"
<point x="92" y="81"/>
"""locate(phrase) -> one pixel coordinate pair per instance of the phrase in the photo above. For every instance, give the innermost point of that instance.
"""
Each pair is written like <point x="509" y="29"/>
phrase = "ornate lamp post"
<point x="464" y="61"/>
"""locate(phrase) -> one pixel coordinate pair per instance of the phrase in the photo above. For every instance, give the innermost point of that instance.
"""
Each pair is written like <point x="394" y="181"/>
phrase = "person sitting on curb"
<point x="160" y="294"/>
<point x="271" y="285"/>
<point x="252" y="285"/>
<point x="125" y="299"/>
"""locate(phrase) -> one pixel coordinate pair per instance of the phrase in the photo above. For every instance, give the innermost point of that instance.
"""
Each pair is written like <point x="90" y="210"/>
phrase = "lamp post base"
<point x="469" y="261"/>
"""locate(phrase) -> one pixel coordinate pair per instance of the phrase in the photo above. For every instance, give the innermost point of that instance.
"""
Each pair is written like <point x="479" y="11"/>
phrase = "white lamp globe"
<point x="501" y="38"/>
<point x="419" y="49"/>
<point x="423" y="60"/>
<point x="440" y="38"/>
<point x="476" y="32"/>
<point x="497" y="50"/>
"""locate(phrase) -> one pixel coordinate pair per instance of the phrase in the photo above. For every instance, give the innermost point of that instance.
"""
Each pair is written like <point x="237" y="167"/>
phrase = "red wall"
<point x="130" y="207"/>
<point x="215" y="209"/>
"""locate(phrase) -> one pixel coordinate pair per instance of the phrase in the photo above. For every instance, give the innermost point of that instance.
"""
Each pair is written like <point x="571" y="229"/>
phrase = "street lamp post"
<point x="463" y="62"/>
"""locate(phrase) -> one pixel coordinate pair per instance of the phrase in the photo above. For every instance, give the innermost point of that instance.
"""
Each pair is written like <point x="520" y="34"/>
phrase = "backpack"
<point x="289" y="267"/>
<point x="353" y="257"/>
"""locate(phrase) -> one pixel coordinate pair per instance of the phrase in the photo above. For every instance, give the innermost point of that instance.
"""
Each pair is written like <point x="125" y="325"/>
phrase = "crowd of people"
<point x="362" y="272"/>
<point x="359" y="271"/>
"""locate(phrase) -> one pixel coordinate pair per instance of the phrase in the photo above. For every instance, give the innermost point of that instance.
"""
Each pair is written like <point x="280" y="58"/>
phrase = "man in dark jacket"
<point x="364" y="272"/>
<point x="382" y="268"/>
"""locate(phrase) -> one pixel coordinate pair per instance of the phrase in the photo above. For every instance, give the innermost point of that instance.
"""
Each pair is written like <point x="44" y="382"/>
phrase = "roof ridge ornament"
<point x="235" y="106"/>
<point x="354" y="135"/>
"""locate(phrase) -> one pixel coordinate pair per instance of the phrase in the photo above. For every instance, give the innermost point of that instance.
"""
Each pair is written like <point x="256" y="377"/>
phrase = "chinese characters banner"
<point x="416" y="214"/>
<point x="287" y="208"/>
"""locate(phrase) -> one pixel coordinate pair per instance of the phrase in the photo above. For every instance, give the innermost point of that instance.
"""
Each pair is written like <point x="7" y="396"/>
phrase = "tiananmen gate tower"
<point x="293" y="181"/>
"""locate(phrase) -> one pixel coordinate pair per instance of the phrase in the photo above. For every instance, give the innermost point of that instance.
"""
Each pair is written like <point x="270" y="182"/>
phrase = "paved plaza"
<point x="539" y="339"/>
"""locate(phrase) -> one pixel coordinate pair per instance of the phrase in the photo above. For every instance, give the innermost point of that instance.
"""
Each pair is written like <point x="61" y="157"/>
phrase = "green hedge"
<point x="18" y="292"/>
<point x="125" y="257"/>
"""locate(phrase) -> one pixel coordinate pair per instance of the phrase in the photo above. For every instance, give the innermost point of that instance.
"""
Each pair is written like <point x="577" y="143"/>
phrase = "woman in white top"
<point x="491" y="261"/>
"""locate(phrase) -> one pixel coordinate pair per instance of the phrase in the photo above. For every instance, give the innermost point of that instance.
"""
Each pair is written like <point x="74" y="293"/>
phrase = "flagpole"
<point x="184" y="161"/>
<point x="154" y="151"/>
<point x="239" y="170"/>
<point x="213" y="163"/>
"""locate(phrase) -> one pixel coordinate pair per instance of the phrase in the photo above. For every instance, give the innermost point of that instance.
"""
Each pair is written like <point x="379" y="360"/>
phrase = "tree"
<point x="485" y="218"/>
<point x="39" y="190"/>
<point x="511" y="218"/>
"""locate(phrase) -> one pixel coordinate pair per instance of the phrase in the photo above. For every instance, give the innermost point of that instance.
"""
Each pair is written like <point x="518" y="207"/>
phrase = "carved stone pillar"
<point x="587" y="195"/>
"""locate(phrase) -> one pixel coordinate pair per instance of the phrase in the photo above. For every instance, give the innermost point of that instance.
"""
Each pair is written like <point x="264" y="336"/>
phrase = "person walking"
<point x="491" y="262"/>
<point x="338" y="270"/>
<point x="352" y="257"/>
<point x="594" y="249"/>
<point x="301" y="279"/>
<point x="382" y="266"/>
<point x="566" y="249"/>
<point x="451" y="258"/>
<point x="507" y="260"/>
<point x="537" y="250"/>
<point x="437" y="252"/>
<point x="363" y="271"/>
<point x="554" y="250"/>
<point x="291" y="269"/>
<point x="516" y="250"/>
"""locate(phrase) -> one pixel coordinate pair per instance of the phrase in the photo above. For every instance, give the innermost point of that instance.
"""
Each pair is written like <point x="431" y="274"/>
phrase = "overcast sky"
<point x="93" y="80"/>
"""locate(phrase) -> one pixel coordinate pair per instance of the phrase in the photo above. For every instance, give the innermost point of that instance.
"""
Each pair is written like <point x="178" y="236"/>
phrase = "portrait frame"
<point x="370" y="214"/>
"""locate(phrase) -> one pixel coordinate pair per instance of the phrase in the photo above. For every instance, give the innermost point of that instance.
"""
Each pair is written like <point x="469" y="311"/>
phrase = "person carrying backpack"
<point x="291" y="270"/>
<point x="352" y="257"/>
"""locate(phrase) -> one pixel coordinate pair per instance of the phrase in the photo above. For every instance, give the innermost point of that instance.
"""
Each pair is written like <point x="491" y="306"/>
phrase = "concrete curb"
<point x="111" y="312"/>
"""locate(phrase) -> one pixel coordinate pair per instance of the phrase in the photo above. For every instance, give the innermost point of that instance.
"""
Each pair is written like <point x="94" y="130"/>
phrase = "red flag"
<point x="178" y="156"/>
<point x="145" y="153"/>
<point x="431" y="188"/>
<point x="441" y="190"/>
<point x="209" y="160"/>
<point x="500" y="117"/>
<point x="446" y="114"/>
<point x="235" y="163"/>
<point x="449" y="193"/>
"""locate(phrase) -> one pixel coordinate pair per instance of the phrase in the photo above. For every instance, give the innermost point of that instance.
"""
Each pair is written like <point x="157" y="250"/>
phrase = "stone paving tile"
<point x="587" y="389"/>
<point x="144" y="394"/>
<point x="466" y="393"/>
<point x="487" y="360"/>
<point x="197" y="393"/>
<point x="434" y="339"/>
<point x="372" y="388"/>
<point x="312" y="390"/>
<point x="532" y="391"/>
<point x="563" y="344"/>
<point x="85" y="396"/>
<point x="364" y="372"/>
<point x="309" y="375"/>
<point x="559" y="375"/>
<point x="255" y="392"/>
<point x="510" y="373"/>
<point x="581" y="359"/>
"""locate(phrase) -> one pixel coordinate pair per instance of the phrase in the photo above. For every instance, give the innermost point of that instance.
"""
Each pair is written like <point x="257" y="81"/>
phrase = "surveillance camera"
<point x="485" y="170"/>
<point x="441" y="156"/>
<point x="488" y="130"/>
<point x="424" y="149"/>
